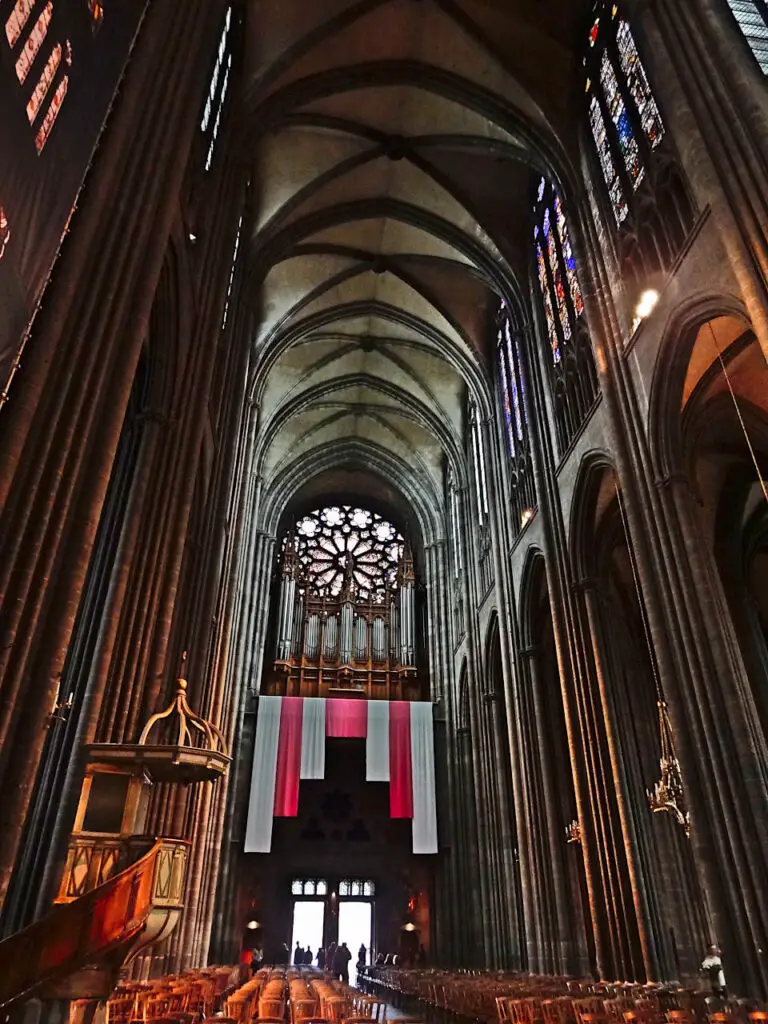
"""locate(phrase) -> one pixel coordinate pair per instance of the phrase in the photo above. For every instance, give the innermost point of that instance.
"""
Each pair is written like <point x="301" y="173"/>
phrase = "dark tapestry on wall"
<point x="60" y="64"/>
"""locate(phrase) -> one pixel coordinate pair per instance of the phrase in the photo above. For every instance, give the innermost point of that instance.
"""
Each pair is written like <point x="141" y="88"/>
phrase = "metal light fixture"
<point x="668" y="794"/>
<point x="573" y="832"/>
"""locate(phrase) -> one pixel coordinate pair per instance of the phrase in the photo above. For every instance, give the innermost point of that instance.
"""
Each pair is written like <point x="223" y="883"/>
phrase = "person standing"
<point x="298" y="956"/>
<point x="321" y="959"/>
<point x="341" y="959"/>
<point x="712" y="969"/>
<point x="361" y="955"/>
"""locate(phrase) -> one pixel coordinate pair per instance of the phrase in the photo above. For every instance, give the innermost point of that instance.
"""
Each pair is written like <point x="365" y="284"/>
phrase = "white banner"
<point x="377" y="742"/>
<point x="313" y="738"/>
<point x="258" y="830"/>
<point x="423" y="773"/>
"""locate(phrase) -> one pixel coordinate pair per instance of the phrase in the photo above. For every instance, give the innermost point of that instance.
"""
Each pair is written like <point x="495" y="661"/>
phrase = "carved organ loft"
<point x="347" y="609"/>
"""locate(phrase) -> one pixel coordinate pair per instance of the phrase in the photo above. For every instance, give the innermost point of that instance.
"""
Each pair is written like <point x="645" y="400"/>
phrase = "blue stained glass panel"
<point x="600" y="135"/>
<point x="627" y="141"/>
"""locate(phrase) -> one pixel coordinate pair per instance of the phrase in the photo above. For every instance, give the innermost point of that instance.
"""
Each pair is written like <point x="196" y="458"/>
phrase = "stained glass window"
<point x="513" y="361"/>
<point x="568" y="258"/>
<point x="478" y="460"/>
<point x="504" y="375"/>
<point x="549" y="315"/>
<point x="556" y="270"/>
<point x="34" y="42"/>
<point x="35" y="53"/>
<point x="17" y="20"/>
<point x="624" y="117"/>
<point x="620" y="117"/>
<point x="600" y="135"/>
<point x="752" y="18"/>
<point x="634" y="72"/>
<point x="342" y="545"/>
<point x="557" y="275"/>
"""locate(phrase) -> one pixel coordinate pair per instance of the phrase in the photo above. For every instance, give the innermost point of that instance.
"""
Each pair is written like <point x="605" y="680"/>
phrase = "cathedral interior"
<point x="383" y="430"/>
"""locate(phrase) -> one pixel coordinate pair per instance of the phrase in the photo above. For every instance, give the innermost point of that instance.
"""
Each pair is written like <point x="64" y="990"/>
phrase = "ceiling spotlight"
<point x="646" y="304"/>
<point x="253" y="924"/>
<point x="526" y="517"/>
<point x="192" y="237"/>
<point x="410" y="927"/>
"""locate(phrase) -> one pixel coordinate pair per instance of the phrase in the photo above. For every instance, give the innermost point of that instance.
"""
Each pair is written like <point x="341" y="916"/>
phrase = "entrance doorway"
<point x="355" y="920"/>
<point x="308" y="919"/>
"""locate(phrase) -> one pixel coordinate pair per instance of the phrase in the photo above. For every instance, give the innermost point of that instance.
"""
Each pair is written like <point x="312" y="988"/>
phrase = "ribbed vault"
<point x="395" y="145"/>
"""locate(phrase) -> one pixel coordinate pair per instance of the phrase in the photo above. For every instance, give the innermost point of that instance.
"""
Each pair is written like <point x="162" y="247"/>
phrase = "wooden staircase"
<point x="77" y="950"/>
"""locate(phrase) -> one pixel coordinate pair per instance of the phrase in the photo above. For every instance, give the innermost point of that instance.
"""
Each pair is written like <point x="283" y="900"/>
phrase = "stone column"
<point x="70" y="398"/>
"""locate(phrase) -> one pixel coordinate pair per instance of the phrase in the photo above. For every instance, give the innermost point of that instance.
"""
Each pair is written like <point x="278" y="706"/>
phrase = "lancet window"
<point x="649" y="201"/>
<point x="39" y="57"/>
<point x="570" y="356"/>
<point x="217" y="90"/>
<point x="457" y="554"/>
<point x="512" y="391"/>
<point x="479" y="460"/>
<point x="347" y="609"/>
<point x="752" y="18"/>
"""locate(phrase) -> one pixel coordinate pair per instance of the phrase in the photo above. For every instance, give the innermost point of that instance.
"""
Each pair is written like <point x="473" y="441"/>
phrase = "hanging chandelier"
<point x="668" y="794"/>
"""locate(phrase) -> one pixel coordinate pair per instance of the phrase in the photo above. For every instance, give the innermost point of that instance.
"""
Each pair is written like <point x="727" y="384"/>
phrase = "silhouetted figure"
<point x="321" y="958"/>
<point x="298" y="956"/>
<point x="361" y="955"/>
<point x="308" y="958"/>
<point x="341" y="959"/>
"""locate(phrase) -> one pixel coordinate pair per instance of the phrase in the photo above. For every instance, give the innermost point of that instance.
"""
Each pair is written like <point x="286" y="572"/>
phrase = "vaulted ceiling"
<point x="395" y="145"/>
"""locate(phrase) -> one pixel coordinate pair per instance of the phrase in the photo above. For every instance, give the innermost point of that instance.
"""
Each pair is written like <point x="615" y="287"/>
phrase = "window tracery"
<point x="752" y="18"/>
<point x="357" y="887"/>
<point x="511" y="385"/>
<point x="572" y="365"/>
<point x="342" y="548"/>
<point x="647" y="195"/>
<point x="347" y="611"/>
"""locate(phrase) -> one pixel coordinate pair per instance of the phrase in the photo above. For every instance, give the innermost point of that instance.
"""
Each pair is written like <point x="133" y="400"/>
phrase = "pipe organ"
<point x="346" y="611"/>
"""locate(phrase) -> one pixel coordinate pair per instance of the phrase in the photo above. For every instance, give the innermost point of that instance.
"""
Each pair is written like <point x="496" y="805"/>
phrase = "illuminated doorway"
<point x="308" y="920"/>
<point x="355" y="921"/>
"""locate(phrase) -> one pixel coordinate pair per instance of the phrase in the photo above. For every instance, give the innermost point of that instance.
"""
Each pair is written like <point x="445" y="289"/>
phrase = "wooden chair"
<point x="681" y="1017"/>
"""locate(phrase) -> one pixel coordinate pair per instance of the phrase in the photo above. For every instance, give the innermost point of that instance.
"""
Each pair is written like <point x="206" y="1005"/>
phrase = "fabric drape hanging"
<point x="400" y="782"/>
<point x="289" y="759"/>
<point x="258" y="830"/>
<point x="313" y="739"/>
<point x="423" y="769"/>
<point x="346" y="718"/>
<point x="377" y="742"/>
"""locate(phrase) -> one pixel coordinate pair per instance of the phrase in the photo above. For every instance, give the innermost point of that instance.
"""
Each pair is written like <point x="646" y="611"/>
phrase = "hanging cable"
<point x="738" y="411"/>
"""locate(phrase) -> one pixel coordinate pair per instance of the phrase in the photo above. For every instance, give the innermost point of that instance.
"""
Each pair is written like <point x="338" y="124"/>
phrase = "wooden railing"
<point x="101" y="926"/>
